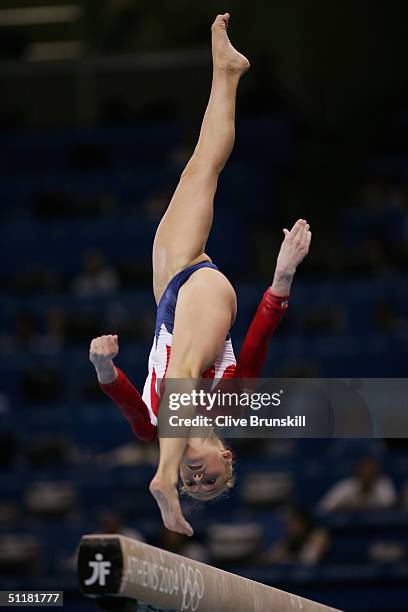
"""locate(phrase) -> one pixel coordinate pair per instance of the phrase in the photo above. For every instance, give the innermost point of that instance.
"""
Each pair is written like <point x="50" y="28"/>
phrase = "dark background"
<point x="98" y="115"/>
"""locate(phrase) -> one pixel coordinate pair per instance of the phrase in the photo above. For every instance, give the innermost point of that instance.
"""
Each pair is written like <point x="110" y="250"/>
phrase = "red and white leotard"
<point x="141" y="412"/>
<point x="224" y="366"/>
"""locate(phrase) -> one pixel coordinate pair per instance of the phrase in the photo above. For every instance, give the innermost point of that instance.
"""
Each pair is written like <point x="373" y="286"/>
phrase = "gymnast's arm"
<point x="115" y="384"/>
<point x="255" y="347"/>
<point x="294" y="249"/>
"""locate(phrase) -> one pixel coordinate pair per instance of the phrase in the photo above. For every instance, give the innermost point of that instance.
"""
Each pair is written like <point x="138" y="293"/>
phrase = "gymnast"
<point x="196" y="306"/>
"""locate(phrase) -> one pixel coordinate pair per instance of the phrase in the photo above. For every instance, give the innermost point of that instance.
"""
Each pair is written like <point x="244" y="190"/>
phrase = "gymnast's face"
<point x="204" y="469"/>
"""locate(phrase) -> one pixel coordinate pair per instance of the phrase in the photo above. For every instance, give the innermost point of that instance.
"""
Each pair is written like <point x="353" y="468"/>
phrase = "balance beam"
<point x="113" y="565"/>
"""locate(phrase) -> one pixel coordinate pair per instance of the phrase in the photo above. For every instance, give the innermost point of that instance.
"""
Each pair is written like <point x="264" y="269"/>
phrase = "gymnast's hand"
<point x="294" y="249"/>
<point x="102" y="352"/>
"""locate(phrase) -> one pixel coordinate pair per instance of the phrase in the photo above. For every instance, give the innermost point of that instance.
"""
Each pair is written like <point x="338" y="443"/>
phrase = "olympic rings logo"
<point x="192" y="587"/>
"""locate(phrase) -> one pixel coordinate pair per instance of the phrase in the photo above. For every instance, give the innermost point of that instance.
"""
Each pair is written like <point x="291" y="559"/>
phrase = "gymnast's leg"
<point x="198" y="336"/>
<point x="207" y="304"/>
<point x="183" y="232"/>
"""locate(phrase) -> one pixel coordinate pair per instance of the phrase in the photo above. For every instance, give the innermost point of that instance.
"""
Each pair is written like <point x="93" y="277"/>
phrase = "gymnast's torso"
<point x="223" y="367"/>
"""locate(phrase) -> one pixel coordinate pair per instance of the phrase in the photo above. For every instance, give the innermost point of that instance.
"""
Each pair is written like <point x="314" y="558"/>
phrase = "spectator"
<point x="267" y="488"/>
<point x="49" y="449"/>
<point x="19" y="555"/>
<point x="51" y="499"/>
<point x="234" y="543"/>
<point x="366" y="490"/>
<point x="96" y="278"/>
<point x="130" y="454"/>
<point x="182" y="545"/>
<point x="9" y="514"/>
<point x="111" y="522"/>
<point x="27" y="335"/>
<point x="305" y="542"/>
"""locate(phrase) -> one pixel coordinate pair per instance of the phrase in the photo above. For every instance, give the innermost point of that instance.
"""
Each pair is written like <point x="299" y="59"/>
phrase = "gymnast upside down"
<point x="197" y="305"/>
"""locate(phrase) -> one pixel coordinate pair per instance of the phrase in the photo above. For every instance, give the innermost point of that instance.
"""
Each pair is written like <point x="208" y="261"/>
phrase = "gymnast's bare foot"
<point x="168" y="501"/>
<point x="225" y="56"/>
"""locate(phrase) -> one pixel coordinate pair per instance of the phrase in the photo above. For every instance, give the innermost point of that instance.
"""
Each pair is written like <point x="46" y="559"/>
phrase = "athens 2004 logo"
<point x="183" y="583"/>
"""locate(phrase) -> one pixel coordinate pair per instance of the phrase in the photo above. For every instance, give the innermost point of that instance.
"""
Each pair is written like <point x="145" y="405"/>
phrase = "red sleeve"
<point x="267" y="318"/>
<point x="130" y="403"/>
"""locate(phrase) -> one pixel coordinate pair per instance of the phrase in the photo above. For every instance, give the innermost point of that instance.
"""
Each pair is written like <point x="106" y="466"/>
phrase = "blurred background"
<point x="100" y="106"/>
